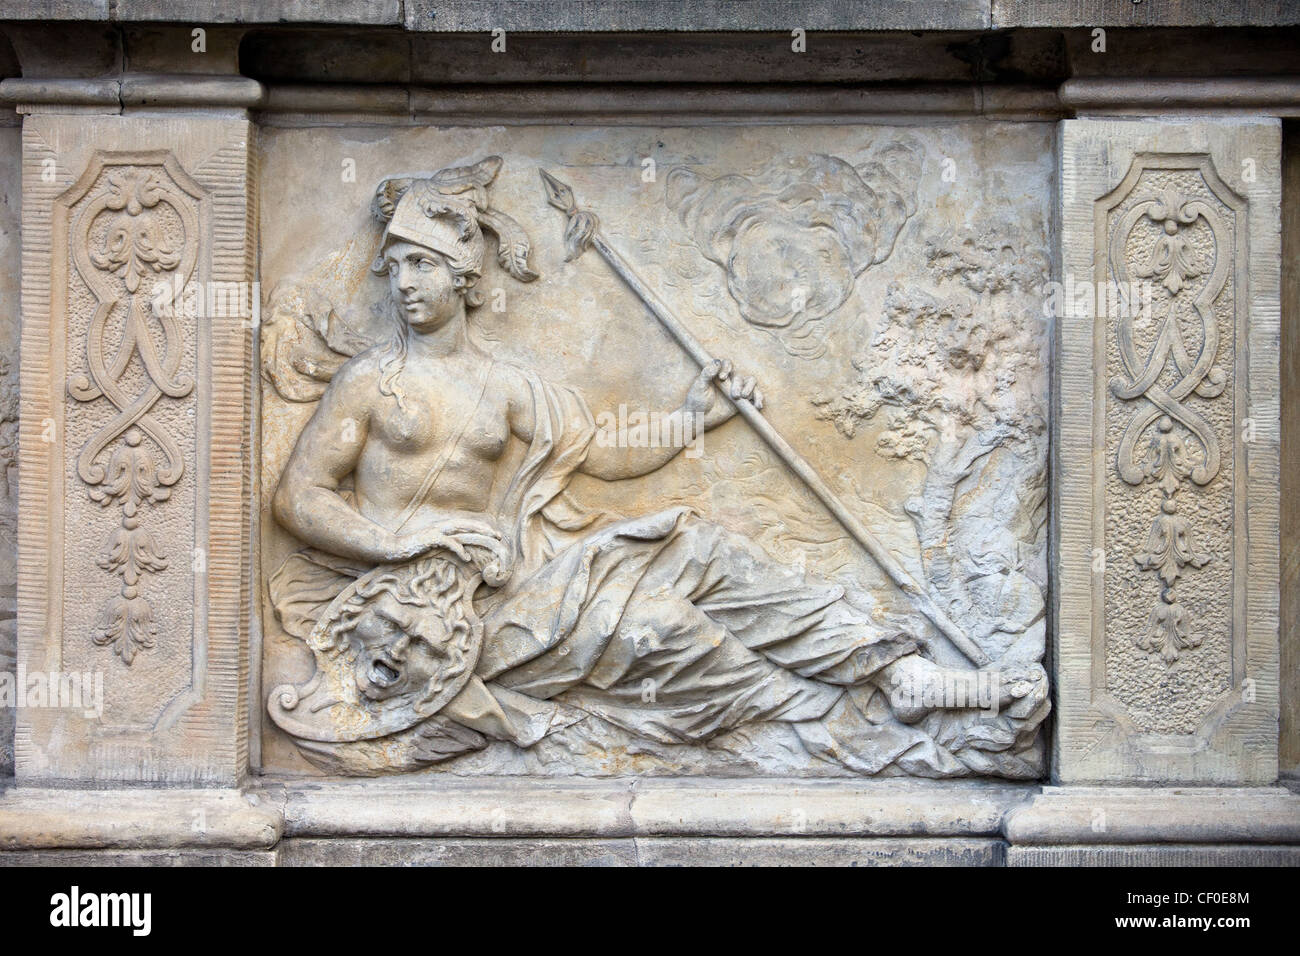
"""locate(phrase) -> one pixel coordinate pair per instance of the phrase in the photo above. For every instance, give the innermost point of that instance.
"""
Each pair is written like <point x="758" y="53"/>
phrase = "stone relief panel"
<point x="137" y="225"/>
<point x="135" y="452"/>
<point x="133" y="222"/>
<point x="708" y="451"/>
<point x="1174" y="225"/>
<point x="1167" y="605"/>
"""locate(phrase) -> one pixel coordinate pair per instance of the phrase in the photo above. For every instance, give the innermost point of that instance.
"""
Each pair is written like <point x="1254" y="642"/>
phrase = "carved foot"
<point x="917" y="686"/>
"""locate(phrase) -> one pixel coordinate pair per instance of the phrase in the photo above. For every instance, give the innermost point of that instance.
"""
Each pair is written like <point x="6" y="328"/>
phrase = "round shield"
<point x="391" y="650"/>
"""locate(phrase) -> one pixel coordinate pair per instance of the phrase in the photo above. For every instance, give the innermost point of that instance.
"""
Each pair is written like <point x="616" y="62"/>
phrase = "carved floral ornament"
<point x="1166" y="442"/>
<point x="140" y="227"/>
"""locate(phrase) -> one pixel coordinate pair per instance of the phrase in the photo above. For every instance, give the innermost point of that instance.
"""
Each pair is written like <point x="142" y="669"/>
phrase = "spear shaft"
<point x="583" y="231"/>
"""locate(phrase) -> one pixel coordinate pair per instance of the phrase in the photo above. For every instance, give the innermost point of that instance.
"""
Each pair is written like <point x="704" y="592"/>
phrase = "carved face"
<point x="423" y="286"/>
<point x="397" y="649"/>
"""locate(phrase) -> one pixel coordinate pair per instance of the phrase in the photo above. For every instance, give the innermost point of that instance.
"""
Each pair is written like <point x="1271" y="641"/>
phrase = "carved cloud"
<point x="794" y="237"/>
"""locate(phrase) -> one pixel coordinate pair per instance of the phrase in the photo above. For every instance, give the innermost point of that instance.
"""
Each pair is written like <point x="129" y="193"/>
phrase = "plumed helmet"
<point x="447" y="212"/>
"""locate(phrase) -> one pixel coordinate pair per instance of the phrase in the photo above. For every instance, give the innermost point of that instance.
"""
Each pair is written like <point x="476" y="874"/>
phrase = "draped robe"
<point x="665" y="624"/>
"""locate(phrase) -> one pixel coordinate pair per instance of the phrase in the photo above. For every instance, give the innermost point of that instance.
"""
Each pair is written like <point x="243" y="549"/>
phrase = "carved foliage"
<point x="139" y="227"/>
<point x="1166" y="442"/>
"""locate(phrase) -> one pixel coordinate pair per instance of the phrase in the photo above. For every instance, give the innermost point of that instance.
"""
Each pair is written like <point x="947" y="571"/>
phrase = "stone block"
<point x="1167" y="452"/>
<point x="136" y="471"/>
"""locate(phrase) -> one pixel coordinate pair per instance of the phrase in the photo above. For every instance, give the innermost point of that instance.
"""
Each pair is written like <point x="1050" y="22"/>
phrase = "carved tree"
<point x="956" y="373"/>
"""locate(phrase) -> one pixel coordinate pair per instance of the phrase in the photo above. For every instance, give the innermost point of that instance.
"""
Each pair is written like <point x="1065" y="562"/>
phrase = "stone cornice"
<point x="641" y="103"/>
<point x="136" y="90"/>
<point x="455" y="16"/>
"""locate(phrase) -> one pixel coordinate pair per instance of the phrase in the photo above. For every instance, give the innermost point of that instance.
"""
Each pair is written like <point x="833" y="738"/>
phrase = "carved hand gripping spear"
<point x="583" y="231"/>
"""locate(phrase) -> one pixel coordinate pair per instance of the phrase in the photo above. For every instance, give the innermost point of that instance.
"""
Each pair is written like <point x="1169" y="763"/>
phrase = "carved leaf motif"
<point x="136" y="244"/>
<point x="135" y="189"/>
<point x="132" y="478"/>
<point x="1166" y="462"/>
<point x="133" y="248"/>
<point x="1169" y="548"/>
<point x="1172" y="261"/>
<point x="130" y="551"/>
<point x="1169" y="631"/>
<point x="126" y="623"/>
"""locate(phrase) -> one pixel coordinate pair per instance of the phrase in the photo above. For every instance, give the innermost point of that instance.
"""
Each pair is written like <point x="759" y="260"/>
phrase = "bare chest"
<point x="431" y="416"/>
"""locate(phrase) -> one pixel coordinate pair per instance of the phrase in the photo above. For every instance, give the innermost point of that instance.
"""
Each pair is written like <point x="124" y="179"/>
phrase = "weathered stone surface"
<point x="644" y="851"/>
<point x="359" y="12"/>
<point x="1289" y="651"/>
<point x="1144" y="95"/>
<point x="458" y="852"/>
<point x="434" y="544"/>
<point x="135" y="470"/>
<point x="1192" y="815"/>
<point x="733" y="808"/>
<point x="45" y="819"/>
<point x="1167" y="445"/>
<point x="845" y="851"/>
<point x="307" y="56"/>
<point x="823" y="809"/>
<point x="1153" y="854"/>
<point x="10" y="280"/>
<point x="697" y="15"/>
<point x="210" y="11"/>
<point x="143" y="858"/>
<point x="689" y="15"/>
<point x="1126" y="13"/>
<point x="905" y="405"/>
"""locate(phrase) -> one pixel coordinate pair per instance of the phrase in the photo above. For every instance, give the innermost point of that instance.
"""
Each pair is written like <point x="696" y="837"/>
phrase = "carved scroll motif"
<point x="1180" y="243"/>
<point x="141" y="228"/>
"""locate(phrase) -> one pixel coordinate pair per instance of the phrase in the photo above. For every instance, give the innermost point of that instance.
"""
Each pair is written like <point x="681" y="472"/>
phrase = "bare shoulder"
<point x="356" y="383"/>
<point x="513" y="380"/>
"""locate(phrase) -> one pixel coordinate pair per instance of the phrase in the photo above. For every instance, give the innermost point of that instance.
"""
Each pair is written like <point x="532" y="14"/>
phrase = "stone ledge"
<point x="683" y="15"/>
<point x="537" y="16"/>
<point x="216" y="856"/>
<point x="736" y="808"/>
<point x="1154" y="854"/>
<point x="632" y="104"/>
<point x="1275" y="95"/>
<point x="650" y="104"/>
<point x="136" y="89"/>
<point x="1185" y="815"/>
<point x="1132" y="13"/>
<point x="136" y="819"/>
<point x="651" y="822"/>
<point x="541" y="16"/>
<point x="348" y="12"/>
<point x="644" y="851"/>
<point x="67" y="92"/>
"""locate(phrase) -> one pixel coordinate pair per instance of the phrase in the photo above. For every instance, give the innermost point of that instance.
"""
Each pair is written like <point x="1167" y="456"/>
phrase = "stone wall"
<point x="10" y="255"/>
<point x="1289" y="754"/>
<point x="649" y="434"/>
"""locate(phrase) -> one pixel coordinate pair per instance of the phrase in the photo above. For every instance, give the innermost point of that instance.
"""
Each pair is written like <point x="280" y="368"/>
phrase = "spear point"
<point x="582" y="225"/>
<point x="557" y="193"/>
